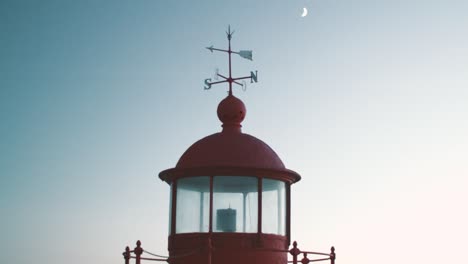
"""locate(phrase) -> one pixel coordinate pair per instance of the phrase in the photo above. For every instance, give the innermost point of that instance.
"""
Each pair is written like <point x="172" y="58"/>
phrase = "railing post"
<point x="138" y="251"/>
<point x="305" y="260"/>
<point x="332" y="255"/>
<point x="294" y="252"/>
<point x="126" y="255"/>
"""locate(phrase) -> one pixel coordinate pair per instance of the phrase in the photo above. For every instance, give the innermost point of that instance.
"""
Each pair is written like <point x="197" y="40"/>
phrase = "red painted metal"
<point x="138" y="251"/>
<point x="228" y="248"/>
<point x="332" y="255"/>
<point x="231" y="147"/>
<point x="230" y="153"/>
<point x="210" y="227"/>
<point x="126" y="255"/>
<point x="288" y="212"/>
<point x="203" y="252"/>
<point x="174" y="206"/>
<point x="260" y="189"/>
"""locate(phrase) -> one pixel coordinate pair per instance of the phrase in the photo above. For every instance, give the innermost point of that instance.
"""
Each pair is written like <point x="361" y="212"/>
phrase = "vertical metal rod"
<point x="288" y="212"/>
<point x="174" y="207"/>
<point x="210" y="228"/>
<point x="259" y="205"/>
<point x="244" y="211"/>
<point x="280" y="222"/>
<point x="229" y="52"/>
<point x="201" y="212"/>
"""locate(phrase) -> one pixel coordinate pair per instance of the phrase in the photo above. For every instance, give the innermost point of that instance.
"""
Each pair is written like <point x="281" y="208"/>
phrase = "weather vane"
<point x="246" y="54"/>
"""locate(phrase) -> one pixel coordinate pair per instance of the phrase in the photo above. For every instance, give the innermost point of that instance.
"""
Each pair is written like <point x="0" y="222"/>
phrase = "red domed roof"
<point x="230" y="148"/>
<point x="230" y="152"/>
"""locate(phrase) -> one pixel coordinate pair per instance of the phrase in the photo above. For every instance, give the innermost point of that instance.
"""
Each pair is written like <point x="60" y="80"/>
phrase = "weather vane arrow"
<point x="246" y="54"/>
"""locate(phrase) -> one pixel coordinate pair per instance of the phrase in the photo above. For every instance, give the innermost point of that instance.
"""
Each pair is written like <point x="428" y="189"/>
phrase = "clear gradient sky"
<point x="366" y="99"/>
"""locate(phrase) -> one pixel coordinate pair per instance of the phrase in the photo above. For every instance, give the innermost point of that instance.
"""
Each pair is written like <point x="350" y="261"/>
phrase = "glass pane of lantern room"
<point x="193" y="205"/>
<point x="235" y="204"/>
<point x="273" y="207"/>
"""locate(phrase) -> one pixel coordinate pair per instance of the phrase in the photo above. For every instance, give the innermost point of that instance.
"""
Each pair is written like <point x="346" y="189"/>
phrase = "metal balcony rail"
<point x="138" y="251"/>
<point x="295" y="252"/>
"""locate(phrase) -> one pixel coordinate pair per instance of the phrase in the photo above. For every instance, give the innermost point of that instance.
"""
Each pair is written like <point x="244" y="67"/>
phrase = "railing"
<point x="294" y="251"/>
<point x="138" y="251"/>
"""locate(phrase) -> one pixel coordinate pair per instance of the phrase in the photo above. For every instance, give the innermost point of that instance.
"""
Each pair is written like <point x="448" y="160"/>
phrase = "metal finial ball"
<point x="231" y="111"/>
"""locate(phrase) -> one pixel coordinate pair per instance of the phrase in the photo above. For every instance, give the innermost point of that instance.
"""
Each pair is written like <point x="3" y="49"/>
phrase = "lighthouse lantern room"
<point x="230" y="198"/>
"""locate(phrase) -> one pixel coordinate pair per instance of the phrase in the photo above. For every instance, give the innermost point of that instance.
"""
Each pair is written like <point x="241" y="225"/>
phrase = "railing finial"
<point x="294" y="252"/>
<point x="126" y="255"/>
<point x="138" y="251"/>
<point x="305" y="260"/>
<point x="332" y="255"/>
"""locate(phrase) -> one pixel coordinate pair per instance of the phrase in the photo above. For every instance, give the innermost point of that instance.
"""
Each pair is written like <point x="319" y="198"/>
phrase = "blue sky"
<point x="365" y="99"/>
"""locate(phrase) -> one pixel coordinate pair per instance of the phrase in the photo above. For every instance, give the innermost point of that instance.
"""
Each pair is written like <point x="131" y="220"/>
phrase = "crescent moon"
<point x="304" y="12"/>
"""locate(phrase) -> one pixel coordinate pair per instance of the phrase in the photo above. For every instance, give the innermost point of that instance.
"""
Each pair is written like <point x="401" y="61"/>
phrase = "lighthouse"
<point x="230" y="195"/>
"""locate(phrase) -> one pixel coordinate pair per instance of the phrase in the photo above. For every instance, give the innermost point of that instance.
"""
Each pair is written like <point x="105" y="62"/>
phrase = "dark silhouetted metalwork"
<point x="207" y="249"/>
